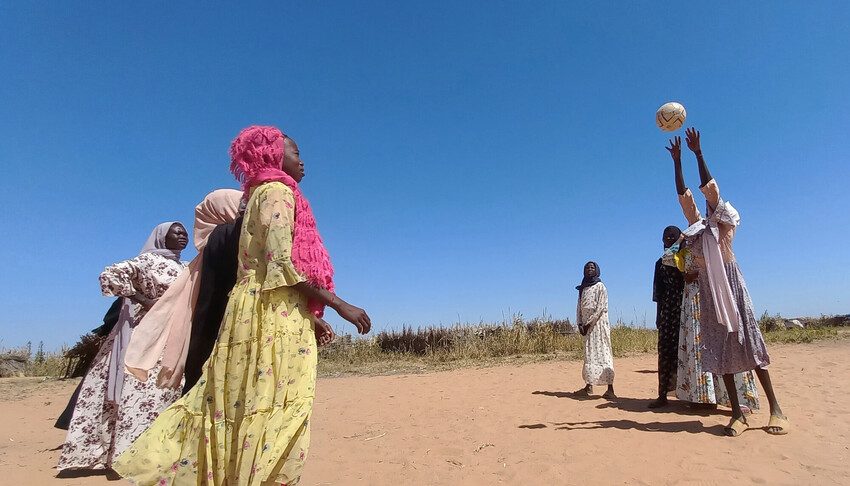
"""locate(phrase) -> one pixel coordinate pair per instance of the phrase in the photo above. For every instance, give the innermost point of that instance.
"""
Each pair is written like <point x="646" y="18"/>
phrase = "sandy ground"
<point x="517" y="425"/>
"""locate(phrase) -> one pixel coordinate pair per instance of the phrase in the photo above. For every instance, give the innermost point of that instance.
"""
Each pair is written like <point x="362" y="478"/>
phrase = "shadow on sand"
<point x="637" y="405"/>
<point x="574" y="395"/>
<point x="109" y="474"/>
<point x="690" y="426"/>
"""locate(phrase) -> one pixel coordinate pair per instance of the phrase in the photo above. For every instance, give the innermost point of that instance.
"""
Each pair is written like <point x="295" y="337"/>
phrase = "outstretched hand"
<point x="675" y="148"/>
<point x="356" y="316"/>
<point x="692" y="137"/>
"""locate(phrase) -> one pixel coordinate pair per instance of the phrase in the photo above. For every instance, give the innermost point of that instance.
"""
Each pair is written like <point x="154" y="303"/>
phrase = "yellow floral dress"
<point x="246" y="422"/>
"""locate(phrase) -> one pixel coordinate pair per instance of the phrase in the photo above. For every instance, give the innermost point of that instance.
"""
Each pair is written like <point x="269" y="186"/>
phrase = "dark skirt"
<point x="725" y="353"/>
<point x="64" y="420"/>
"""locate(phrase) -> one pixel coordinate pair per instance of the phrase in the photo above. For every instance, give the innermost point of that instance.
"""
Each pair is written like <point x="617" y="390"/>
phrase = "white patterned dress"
<point x="592" y="311"/>
<point x="101" y="429"/>
<point x="692" y="383"/>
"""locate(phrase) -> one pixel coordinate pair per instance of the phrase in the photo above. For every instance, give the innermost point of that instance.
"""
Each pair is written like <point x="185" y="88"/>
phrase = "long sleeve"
<point x="122" y="278"/>
<point x="277" y="215"/>
<point x="206" y="283"/>
<point x="601" y="304"/>
<point x="204" y="328"/>
<point x="218" y="276"/>
<point x="656" y="280"/>
<point x="689" y="207"/>
<point x="712" y="193"/>
<point x="578" y="310"/>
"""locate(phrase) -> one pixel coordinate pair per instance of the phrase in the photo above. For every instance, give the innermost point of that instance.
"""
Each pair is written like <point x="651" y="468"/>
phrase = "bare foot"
<point x="609" y="395"/>
<point x="584" y="392"/>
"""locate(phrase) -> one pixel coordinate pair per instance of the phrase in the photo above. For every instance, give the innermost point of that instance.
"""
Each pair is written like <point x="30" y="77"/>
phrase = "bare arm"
<point x="278" y="215"/>
<point x="675" y="150"/>
<point x="350" y="313"/>
<point x="692" y="137"/>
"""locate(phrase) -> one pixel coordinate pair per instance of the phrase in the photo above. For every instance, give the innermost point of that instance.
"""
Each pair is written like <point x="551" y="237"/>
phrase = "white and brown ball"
<point x="671" y="116"/>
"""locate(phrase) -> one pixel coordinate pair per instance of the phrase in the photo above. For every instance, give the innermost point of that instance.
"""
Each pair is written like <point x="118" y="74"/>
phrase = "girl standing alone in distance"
<point x="592" y="320"/>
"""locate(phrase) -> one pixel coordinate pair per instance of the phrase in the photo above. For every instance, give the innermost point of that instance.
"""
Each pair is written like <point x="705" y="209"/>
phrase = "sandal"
<point x="780" y="423"/>
<point x="736" y="427"/>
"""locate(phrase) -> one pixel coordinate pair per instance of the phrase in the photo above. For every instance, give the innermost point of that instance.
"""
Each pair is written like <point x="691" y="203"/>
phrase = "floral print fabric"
<point x="693" y="384"/>
<point x="101" y="429"/>
<point x="247" y="421"/>
<point x="592" y="311"/>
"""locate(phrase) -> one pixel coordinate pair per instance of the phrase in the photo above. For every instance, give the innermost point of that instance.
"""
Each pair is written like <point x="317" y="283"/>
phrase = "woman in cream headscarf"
<point x="247" y="420"/>
<point x="111" y="411"/>
<point x="163" y="335"/>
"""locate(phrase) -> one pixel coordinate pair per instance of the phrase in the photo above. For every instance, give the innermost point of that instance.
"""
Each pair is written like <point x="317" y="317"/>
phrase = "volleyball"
<point x="670" y="117"/>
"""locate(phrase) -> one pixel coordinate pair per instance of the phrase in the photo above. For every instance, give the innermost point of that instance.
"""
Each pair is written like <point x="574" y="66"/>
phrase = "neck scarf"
<point x="674" y="257"/>
<point x="309" y="255"/>
<point x="165" y="329"/>
<point x="257" y="156"/>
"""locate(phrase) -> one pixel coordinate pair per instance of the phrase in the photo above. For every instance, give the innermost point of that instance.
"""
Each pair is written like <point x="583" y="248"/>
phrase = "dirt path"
<point x="516" y="425"/>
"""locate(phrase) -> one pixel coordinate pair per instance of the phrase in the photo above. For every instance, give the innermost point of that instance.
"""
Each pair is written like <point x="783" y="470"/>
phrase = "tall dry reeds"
<point x="435" y="348"/>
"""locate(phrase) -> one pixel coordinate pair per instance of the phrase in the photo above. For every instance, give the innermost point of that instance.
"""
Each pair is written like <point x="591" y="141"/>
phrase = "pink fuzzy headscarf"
<point x="257" y="157"/>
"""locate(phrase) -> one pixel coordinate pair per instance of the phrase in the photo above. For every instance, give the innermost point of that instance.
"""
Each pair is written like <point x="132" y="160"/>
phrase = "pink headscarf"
<point x="163" y="334"/>
<point x="257" y="157"/>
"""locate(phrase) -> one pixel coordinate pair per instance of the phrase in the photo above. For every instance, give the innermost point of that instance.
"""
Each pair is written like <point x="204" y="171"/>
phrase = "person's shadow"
<point x="574" y="395"/>
<point x="636" y="405"/>
<point x="109" y="474"/>
<point x="641" y="405"/>
<point x="691" y="426"/>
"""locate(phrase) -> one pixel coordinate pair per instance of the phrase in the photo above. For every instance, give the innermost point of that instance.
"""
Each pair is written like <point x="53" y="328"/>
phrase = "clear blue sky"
<point x="464" y="158"/>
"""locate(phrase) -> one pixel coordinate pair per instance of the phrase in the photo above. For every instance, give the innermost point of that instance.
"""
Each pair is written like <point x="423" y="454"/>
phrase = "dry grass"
<point x="430" y="349"/>
<point x="438" y="348"/>
<point x="38" y="363"/>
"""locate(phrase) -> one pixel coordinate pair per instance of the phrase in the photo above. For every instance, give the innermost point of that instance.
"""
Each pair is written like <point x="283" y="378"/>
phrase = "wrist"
<point x="335" y="302"/>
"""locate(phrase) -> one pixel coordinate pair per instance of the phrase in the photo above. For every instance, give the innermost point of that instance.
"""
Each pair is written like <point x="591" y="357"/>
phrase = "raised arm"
<point x="707" y="184"/>
<point x="686" y="198"/>
<point x="675" y="150"/>
<point x="692" y="137"/>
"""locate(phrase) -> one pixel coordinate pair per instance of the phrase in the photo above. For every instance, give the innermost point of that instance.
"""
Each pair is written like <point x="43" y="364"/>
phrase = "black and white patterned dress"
<point x="598" y="357"/>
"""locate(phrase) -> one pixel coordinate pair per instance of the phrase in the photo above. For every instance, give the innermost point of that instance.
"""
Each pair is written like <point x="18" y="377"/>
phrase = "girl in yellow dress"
<point x="247" y="421"/>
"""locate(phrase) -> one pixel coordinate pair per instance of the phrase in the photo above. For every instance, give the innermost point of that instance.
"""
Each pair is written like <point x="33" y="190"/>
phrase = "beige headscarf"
<point x="164" y="331"/>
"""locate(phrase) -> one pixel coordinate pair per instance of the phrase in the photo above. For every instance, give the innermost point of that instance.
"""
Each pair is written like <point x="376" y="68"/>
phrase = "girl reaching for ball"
<point x="731" y="339"/>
